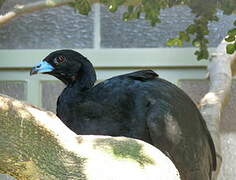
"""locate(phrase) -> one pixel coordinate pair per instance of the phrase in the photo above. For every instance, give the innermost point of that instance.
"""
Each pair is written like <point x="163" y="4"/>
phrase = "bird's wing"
<point x="173" y="113"/>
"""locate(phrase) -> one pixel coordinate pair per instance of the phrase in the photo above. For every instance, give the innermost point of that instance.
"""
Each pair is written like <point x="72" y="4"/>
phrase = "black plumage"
<point x="138" y="105"/>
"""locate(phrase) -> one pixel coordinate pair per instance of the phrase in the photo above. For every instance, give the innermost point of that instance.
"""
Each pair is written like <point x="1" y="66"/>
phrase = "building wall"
<point x="62" y="27"/>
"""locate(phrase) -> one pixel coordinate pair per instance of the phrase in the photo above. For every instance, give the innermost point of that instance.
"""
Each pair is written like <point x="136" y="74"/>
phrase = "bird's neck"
<point x="81" y="84"/>
<point x="84" y="79"/>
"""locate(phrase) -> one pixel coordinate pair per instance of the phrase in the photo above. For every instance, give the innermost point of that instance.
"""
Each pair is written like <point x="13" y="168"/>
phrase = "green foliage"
<point x="205" y="11"/>
<point x="1" y="2"/>
<point x="174" y="42"/>
<point x="112" y="5"/>
<point x="231" y="37"/>
<point x="230" y="48"/>
<point x="150" y="9"/>
<point x="83" y="6"/>
<point x="228" y="6"/>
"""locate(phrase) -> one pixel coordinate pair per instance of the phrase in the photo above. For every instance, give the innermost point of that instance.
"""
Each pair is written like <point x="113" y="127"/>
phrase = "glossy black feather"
<point x="138" y="105"/>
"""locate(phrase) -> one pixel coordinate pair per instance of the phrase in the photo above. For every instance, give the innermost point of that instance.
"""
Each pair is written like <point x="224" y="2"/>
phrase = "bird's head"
<point x="67" y="65"/>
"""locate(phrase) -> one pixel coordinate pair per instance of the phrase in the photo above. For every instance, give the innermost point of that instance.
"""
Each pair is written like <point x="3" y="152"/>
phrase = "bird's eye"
<point x="59" y="59"/>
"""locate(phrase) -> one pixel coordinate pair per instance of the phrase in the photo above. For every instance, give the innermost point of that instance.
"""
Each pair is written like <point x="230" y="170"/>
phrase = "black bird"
<point x="138" y="105"/>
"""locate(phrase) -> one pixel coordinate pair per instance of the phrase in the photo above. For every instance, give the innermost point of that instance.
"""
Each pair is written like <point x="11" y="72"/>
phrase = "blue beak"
<point x="42" y="67"/>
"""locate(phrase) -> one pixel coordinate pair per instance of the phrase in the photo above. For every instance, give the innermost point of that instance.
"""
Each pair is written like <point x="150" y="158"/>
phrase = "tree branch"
<point x="31" y="7"/>
<point x="221" y="69"/>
